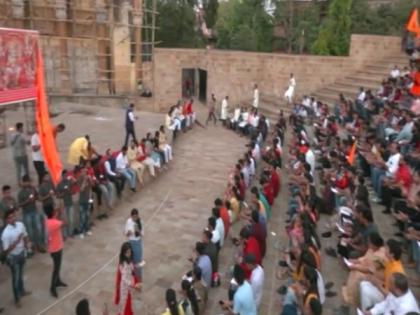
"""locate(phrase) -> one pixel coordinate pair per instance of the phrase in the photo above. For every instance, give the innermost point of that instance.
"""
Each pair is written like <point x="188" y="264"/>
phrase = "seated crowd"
<point x="256" y="172"/>
<point x="365" y="152"/>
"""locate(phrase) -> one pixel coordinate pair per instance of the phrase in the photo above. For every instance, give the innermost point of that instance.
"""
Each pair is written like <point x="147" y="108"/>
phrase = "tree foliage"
<point x="177" y="24"/>
<point x="244" y="25"/>
<point x="333" y="38"/>
<point x="211" y="7"/>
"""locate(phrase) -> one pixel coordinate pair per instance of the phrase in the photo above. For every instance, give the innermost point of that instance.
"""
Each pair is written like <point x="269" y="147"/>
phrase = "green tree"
<point x="334" y="36"/>
<point x="210" y="9"/>
<point x="244" y="25"/>
<point x="177" y="24"/>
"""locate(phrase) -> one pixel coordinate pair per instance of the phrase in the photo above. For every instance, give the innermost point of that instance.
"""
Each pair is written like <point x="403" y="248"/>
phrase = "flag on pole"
<point x="45" y="130"/>
<point x="352" y="154"/>
<point x="412" y="24"/>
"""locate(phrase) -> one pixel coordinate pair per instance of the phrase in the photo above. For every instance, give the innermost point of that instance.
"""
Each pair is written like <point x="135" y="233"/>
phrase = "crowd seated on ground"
<point x="366" y="153"/>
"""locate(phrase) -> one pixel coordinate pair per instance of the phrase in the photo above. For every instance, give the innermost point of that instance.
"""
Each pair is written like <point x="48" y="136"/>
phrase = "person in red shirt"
<point x="224" y="214"/>
<point x="394" y="187"/>
<point x="55" y="246"/>
<point x="249" y="246"/>
<point x="275" y="180"/>
<point x="267" y="190"/>
<point x="259" y="232"/>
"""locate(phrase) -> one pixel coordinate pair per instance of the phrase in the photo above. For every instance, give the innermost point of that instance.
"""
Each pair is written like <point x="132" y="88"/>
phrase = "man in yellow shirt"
<point x="376" y="286"/>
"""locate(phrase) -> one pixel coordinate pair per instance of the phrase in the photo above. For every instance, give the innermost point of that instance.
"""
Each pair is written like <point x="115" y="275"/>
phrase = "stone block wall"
<point x="234" y="73"/>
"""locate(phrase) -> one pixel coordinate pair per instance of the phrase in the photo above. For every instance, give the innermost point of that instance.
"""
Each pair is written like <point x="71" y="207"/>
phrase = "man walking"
<point x="15" y="241"/>
<point x="212" y="111"/>
<point x="18" y="143"/>
<point x="129" y="124"/>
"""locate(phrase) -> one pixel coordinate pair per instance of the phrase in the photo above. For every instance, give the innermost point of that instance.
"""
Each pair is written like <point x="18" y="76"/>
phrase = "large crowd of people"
<point x="342" y="162"/>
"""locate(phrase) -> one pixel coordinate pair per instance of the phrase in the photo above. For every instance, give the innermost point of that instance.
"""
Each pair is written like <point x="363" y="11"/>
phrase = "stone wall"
<point x="234" y="73"/>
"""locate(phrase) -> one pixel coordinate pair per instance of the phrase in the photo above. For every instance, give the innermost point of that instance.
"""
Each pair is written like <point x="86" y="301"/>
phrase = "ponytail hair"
<point x="171" y="301"/>
<point x="192" y="297"/>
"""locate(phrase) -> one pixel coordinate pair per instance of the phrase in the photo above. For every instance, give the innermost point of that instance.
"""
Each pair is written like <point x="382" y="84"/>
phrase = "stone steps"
<point x="369" y="77"/>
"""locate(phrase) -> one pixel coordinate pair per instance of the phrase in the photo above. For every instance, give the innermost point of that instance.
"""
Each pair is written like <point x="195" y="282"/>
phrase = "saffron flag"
<point x="45" y="130"/>
<point x="412" y="24"/>
<point x="352" y="154"/>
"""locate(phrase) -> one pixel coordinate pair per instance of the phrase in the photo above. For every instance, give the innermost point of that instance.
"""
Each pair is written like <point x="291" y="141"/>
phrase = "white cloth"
<point x="220" y="227"/>
<point x="36" y="155"/>
<point x="215" y="238"/>
<point x="257" y="283"/>
<point x="224" y="111"/>
<point x="131" y="116"/>
<point x="108" y="169"/>
<point x="393" y="305"/>
<point x="256" y="98"/>
<point x="395" y="73"/>
<point x="236" y="115"/>
<point x="321" y="287"/>
<point x="130" y="226"/>
<point x="369" y="295"/>
<point x="310" y="159"/>
<point x="392" y="164"/>
<point x="11" y="234"/>
<point x="288" y="95"/>
<point x="361" y="97"/>
<point x="121" y="162"/>
<point x="256" y="152"/>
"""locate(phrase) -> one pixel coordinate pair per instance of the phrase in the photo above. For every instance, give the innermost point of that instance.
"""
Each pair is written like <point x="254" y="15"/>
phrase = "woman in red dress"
<point x="126" y="281"/>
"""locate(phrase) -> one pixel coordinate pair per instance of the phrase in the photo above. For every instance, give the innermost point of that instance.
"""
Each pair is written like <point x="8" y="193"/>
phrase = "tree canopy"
<point x="316" y="27"/>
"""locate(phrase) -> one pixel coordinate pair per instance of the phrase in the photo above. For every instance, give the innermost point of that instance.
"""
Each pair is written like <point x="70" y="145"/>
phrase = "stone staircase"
<point x="369" y="77"/>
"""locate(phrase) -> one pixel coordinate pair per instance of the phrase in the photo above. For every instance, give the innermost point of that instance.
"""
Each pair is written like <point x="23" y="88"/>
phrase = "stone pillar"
<point x="125" y="8"/>
<point x="61" y="15"/>
<point x="123" y="69"/>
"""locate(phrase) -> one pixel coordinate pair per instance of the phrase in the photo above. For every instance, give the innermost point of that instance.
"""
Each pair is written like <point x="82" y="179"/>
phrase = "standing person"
<point x="58" y="129"/>
<point x="256" y="99"/>
<point x="55" y="246"/>
<point x="288" y="95"/>
<point x="126" y="281"/>
<point x="130" y="118"/>
<point x="31" y="216"/>
<point x="189" y="300"/>
<point x="203" y="262"/>
<point x="37" y="158"/>
<point x="123" y="168"/>
<point x="257" y="278"/>
<point x="14" y="241"/>
<point x="134" y="233"/>
<point x="64" y="192"/>
<point x="243" y="300"/>
<point x="212" y="111"/>
<point x="84" y="202"/>
<point x="7" y="202"/>
<point x="18" y="143"/>
<point x="46" y="192"/>
<point x="173" y="308"/>
<point x="224" y="110"/>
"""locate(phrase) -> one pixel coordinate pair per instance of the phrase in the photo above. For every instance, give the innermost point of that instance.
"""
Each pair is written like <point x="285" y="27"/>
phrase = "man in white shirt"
<point x="216" y="236"/>
<point x="37" y="158"/>
<point x="122" y="167"/>
<point x="399" y="301"/>
<point x="220" y="227"/>
<point x="134" y="232"/>
<point x="395" y="73"/>
<point x="256" y="279"/>
<point x="224" y="110"/>
<point x="14" y="241"/>
<point x="362" y="96"/>
<point x="310" y="159"/>
<point x="256" y="96"/>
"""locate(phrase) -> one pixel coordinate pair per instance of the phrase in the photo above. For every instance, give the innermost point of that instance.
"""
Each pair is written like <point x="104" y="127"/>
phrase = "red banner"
<point x="17" y="65"/>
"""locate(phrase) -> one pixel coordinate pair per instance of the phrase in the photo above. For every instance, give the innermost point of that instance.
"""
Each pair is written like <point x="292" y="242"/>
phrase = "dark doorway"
<point x="188" y="82"/>
<point x="202" y="86"/>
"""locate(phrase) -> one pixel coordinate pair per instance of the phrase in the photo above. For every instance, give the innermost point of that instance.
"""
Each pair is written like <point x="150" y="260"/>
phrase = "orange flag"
<point x="46" y="138"/>
<point x="413" y="22"/>
<point x="352" y="154"/>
